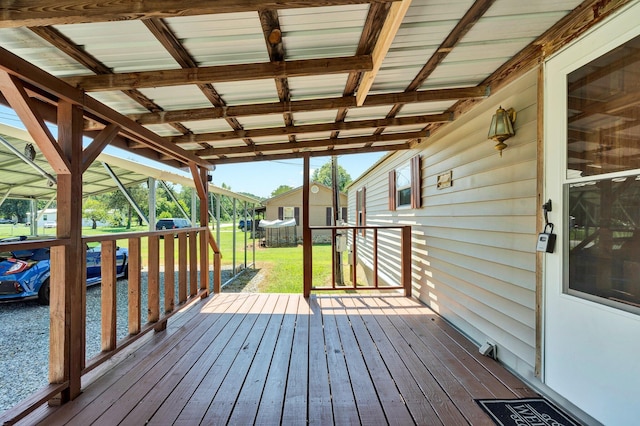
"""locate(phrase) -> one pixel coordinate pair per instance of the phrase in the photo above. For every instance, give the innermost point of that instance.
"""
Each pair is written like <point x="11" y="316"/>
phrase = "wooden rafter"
<point x="78" y="53"/>
<point x="463" y="26"/>
<point x="14" y="92"/>
<point x="57" y="12"/>
<point x="470" y="18"/>
<point x="174" y="46"/>
<point x="198" y="182"/>
<point x="574" y="24"/>
<point x="104" y="138"/>
<point x="387" y="35"/>
<point x="43" y="82"/>
<point x="275" y="47"/>
<point x="310" y="105"/>
<point x="309" y="128"/>
<point x="227" y="73"/>
<point x="263" y="148"/>
<point x="376" y="18"/>
<point x="319" y="153"/>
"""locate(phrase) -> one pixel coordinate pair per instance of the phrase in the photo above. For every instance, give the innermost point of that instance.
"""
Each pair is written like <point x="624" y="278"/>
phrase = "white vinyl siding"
<point x="474" y="242"/>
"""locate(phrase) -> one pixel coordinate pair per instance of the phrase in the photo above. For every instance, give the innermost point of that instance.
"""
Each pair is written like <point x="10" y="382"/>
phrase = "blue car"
<point x="25" y="273"/>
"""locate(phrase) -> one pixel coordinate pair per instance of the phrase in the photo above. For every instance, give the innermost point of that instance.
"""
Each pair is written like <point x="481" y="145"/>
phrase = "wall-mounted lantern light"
<point x="502" y="127"/>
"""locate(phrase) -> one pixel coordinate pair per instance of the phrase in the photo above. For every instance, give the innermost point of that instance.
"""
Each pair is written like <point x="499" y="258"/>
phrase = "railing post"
<point x="217" y="272"/>
<point x="182" y="267"/>
<point x="306" y="231"/>
<point x="134" y="286"/>
<point x="108" y="295"/>
<point x="204" y="261"/>
<point x="354" y="266"/>
<point x="154" y="278"/>
<point x="169" y="275"/>
<point x="406" y="260"/>
<point x="193" y="264"/>
<point x="375" y="257"/>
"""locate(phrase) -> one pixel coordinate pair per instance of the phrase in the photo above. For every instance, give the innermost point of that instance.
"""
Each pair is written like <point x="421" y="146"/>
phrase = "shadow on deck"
<point x="283" y="359"/>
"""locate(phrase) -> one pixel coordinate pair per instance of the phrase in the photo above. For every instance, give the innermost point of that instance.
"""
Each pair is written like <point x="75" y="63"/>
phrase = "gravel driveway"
<point x="24" y="337"/>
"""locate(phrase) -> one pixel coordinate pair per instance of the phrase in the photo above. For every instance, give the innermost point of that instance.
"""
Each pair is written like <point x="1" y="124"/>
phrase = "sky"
<point x="259" y="178"/>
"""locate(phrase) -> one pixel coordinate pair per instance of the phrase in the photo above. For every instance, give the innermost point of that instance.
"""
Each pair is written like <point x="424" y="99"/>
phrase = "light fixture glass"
<point x="502" y="127"/>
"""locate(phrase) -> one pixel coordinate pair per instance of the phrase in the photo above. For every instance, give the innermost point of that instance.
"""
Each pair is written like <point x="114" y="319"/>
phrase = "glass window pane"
<point x="604" y="240"/>
<point x="404" y="197"/>
<point x="288" y="213"/>
<point x="603" y="117"/>
<point x="403" y="177"/>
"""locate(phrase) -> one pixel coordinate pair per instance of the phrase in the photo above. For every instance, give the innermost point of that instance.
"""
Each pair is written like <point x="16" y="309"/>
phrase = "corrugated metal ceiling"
<point x="302" y="94"/>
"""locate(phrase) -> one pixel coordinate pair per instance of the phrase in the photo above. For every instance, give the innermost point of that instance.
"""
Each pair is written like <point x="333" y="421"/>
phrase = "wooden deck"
<point x="282" y="359"/>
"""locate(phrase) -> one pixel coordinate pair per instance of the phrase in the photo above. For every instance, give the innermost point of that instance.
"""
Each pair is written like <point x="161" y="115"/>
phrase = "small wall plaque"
<point x="445" y="180"/>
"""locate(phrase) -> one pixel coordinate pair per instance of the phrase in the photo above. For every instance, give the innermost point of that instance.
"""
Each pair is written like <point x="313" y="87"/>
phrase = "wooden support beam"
<point x="204" y="235"/>
<point x="319" y="153"/>
<point x="103" y="139"/>
<point x="310" y="105"/>
<point x="68" y="271"/>
<point x="58" y="12"/>
<point x="223" y="73"/>
<point x="199" y="184"/>
<point x="34" y="78"/>
<point x="387" y="35"/>
<point x="265" y="148"/>
<point x="310" y="128"/>
<point x="16" y="95"/>
<point x="307" y="251"/>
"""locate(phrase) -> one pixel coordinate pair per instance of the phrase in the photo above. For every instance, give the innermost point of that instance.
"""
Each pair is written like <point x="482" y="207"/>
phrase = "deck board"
<point x="281" y="359"/>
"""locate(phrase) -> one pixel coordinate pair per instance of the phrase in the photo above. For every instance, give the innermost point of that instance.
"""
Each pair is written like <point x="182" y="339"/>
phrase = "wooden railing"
<point x="177" y="243"/>
<point x="180" y="243"/>
<point x="366" y="247"/>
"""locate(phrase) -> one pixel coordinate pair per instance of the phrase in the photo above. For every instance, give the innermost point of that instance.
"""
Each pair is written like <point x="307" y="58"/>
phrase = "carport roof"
<point x="21" y="180"/>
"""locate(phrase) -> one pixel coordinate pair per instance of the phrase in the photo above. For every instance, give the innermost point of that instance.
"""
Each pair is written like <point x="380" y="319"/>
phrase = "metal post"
<point x="218" y="203"/>
<point x="234" y="235"/>
<point x="152" y="204"/>
<point x="245" y="234"/>
<point x="253" y="232"/>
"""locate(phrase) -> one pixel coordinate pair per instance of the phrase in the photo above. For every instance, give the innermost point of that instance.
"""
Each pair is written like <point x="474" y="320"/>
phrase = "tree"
<point x="323" y="176"/>
<point x="12" y="208"/>
<point x="280" y="190"/>
<point x="94" y="210"/>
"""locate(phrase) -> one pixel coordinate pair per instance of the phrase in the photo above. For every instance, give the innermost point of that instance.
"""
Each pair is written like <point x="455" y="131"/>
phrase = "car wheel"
<point x="43" y="293"/>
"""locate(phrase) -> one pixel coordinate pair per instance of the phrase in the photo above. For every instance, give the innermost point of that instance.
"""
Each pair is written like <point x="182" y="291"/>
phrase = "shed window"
<point x="286" y="213"/>
<point x="405" y="185"/>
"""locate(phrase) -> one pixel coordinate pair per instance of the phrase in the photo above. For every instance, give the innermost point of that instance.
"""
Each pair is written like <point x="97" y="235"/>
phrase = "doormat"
<point x="525" y="412"/>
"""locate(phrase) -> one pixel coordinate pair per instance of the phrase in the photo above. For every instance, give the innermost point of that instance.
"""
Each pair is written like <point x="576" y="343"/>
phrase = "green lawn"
<point x="281" y="267"/>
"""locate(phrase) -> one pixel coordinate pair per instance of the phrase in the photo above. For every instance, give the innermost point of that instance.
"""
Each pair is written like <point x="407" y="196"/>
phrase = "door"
<point x="592" y="175"/>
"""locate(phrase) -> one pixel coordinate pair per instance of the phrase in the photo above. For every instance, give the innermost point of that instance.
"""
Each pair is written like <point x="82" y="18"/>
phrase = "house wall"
<point x="474" y="243"/>
<point x="318" y="204"/>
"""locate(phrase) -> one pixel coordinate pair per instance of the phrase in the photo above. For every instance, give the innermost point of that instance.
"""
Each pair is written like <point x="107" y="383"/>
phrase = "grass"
<point x="280" y="268"/>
